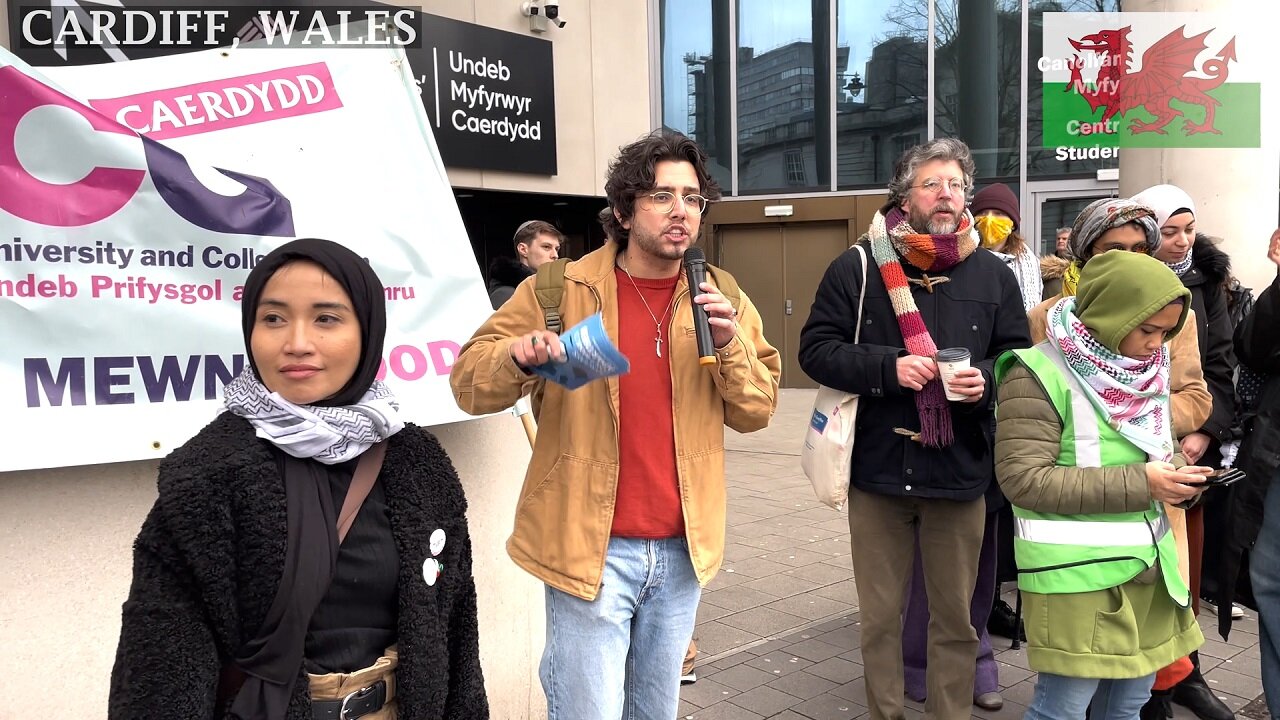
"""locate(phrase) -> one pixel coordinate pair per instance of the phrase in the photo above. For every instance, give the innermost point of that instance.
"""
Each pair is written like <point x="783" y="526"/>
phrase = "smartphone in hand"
<point x="1197" y="475"/>
<point x="1224" y="477"/>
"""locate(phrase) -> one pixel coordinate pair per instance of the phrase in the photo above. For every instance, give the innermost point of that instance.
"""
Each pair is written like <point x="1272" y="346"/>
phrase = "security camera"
<point x="551" y="8"/>
<point x="539" y="15"/>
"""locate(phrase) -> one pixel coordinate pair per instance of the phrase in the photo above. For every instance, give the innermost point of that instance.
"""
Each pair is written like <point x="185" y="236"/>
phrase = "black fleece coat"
<point x="978" y="308"/>
<point x="1257" y="344"/>
<point x="210" y="554"/>
<point x="504" y="275"/>
<point x="1206" y="280"/>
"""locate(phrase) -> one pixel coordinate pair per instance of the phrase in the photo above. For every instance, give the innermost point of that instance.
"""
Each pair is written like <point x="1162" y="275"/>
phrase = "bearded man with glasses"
<point x="623" y="523"/>
<point x="922" y="463"/>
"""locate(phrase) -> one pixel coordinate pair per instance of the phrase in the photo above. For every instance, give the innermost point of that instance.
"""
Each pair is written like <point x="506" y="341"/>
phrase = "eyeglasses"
<point x="662" y="202"/>
<point x="934" y="186"/>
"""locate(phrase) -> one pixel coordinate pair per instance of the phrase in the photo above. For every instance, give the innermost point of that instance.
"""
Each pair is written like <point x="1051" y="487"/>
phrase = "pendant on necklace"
<point x="657" y="344"/>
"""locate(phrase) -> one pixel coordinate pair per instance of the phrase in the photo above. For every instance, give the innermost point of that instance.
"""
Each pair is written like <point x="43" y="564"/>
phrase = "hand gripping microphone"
<point x="695" y="270"/>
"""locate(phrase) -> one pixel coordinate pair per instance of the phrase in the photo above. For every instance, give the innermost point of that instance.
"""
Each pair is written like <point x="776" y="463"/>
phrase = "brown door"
<point x="753" y="253"/>
<point x="779" y="267"/>
<point x="808" y="249"/>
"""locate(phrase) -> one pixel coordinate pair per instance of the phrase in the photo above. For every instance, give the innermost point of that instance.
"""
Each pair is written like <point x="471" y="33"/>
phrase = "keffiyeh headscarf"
<point x="1095" y="219"/>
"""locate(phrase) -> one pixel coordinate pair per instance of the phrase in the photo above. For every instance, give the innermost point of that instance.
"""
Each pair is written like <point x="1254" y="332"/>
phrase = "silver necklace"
<point x="657" y="324"/>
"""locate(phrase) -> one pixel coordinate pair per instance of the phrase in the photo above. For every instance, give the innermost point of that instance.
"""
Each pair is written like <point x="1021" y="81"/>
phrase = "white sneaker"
<point x="1237" y="612"/>
<point x="689" y="678"/>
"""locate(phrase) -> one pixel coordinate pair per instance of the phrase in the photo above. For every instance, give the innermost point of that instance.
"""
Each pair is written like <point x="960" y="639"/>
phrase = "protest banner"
<point x="138" y="195"/>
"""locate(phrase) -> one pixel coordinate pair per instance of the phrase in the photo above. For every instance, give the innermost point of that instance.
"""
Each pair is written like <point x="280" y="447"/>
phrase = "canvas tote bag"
<point x="828" y="440"/>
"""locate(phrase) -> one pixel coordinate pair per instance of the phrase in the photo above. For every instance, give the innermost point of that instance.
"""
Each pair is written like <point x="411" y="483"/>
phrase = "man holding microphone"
<point x="622" y="513"/>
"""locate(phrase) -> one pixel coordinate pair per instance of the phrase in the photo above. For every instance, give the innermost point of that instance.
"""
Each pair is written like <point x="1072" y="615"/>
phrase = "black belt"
<point x="357" y="704"/>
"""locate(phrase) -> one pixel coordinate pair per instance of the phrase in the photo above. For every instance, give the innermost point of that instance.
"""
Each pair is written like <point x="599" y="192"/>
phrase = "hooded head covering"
<point x="1119" y="291"/>
<point x="997" y="197"/>
<point x="1166" y="201"/>
<point x="362" y="286"/>
<point x="1102" y="215"/>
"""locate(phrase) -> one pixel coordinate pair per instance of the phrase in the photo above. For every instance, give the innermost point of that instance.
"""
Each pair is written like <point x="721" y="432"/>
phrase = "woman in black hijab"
<point x="247" y="601"/>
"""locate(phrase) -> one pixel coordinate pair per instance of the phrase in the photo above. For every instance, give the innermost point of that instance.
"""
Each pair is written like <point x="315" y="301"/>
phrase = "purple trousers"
<point x="915" y="621"/>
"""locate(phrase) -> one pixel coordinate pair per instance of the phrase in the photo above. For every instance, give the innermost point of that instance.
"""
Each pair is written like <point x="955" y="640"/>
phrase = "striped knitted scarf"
<point x="1132" y="395"/>
<point x="892" y="237"/>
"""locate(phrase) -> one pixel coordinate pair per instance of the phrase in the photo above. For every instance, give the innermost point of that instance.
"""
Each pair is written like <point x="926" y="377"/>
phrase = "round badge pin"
<point x="431" y="571"/>
<point x="437" y="541"/>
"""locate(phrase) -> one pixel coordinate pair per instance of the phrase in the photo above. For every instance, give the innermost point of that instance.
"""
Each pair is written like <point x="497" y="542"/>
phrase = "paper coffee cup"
<point x="951" y="360"/>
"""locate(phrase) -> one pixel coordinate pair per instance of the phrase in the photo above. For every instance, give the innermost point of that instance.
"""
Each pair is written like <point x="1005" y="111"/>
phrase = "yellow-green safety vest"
<point x="1082" y="553"/>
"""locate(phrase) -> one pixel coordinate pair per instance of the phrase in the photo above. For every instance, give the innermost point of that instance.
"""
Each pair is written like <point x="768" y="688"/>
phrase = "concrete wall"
<point x="1234" y="189"/>
<point x="65" y="534"/>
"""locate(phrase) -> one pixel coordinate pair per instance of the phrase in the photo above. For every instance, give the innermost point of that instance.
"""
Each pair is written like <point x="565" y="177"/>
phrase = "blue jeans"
<point x="1264" y="572"/>
<point x="1059" y="697"/>
<point x="619" y="656"/>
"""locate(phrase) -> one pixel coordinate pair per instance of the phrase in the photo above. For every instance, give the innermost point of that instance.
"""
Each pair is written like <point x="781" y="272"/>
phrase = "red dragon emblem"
<point x="1163" y="78"/>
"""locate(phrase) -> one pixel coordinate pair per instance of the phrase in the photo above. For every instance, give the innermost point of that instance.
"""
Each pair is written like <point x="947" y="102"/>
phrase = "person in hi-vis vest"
<point x="1085" y="453"/>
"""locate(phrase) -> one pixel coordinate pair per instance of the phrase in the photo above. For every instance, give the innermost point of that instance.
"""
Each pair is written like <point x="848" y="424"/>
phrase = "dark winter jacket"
<point x="1207" y="282"/>
<point x="979" y="308"/>
<point x="1257" y="345"/>
<point x="504" y="275"/>
<point x="210" y="554"/>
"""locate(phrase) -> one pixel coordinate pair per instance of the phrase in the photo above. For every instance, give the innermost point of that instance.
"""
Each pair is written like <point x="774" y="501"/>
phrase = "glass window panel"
<point x="977" y="80"/>
<point x="1050" y="162"/>
<point x="882" y="86"/>
<point x="1058" y="213"/>
<point x="783" y="97"/>
<point x="695" y="77"/>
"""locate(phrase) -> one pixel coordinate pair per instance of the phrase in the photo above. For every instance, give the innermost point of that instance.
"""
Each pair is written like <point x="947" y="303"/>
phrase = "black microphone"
<point x="695" y="270"/>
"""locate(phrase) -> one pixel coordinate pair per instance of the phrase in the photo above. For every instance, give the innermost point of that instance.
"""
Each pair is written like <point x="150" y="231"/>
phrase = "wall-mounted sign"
<point x="490" y="96"/>
<point x="1115" y="80"/>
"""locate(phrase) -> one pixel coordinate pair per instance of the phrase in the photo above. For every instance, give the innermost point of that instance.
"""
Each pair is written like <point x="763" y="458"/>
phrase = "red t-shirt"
<point x="648" y="502"/>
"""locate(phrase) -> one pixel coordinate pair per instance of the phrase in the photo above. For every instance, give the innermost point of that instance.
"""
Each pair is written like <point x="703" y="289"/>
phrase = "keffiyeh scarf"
<point x="892" y="237"/>
<point x="1026" y="268"/>
<point x="328" y="435"/>
<point x="1181" y="268"/>
<point x="1133" y="395"/>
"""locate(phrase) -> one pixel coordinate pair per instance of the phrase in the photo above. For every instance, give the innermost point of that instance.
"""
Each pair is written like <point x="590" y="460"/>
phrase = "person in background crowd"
<point x="1086" y="454"/>
<point x="247" y="602"/>
<point x="996" y="216"/>
<point x="621" y="522"/>
<point x="536" y="242"/>
<point x="1255" y="508"/>
<point x="922" y="462"/>
<point x="1203" y="270"/>
<point x="1061" y="243"/>
<point x="1053" y="267"/>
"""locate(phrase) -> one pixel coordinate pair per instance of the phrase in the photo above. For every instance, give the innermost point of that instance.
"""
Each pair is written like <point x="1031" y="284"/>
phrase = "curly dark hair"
<point x="633" y="172"/>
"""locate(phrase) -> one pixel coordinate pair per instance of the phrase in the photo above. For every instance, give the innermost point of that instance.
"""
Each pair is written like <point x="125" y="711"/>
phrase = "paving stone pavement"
<point x="778" y="629"/>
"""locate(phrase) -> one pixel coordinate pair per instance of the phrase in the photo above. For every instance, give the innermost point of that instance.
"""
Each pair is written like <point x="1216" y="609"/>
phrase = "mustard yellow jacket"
<point x="565" y="513"/>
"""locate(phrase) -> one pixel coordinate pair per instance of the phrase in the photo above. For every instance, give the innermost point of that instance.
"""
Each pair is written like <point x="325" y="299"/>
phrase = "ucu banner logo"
<point x="34" y="119"/>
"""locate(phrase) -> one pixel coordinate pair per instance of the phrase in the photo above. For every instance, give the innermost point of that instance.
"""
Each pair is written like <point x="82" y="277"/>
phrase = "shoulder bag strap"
<point x="862" y="293"/>
<point x="366" y="475"/>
